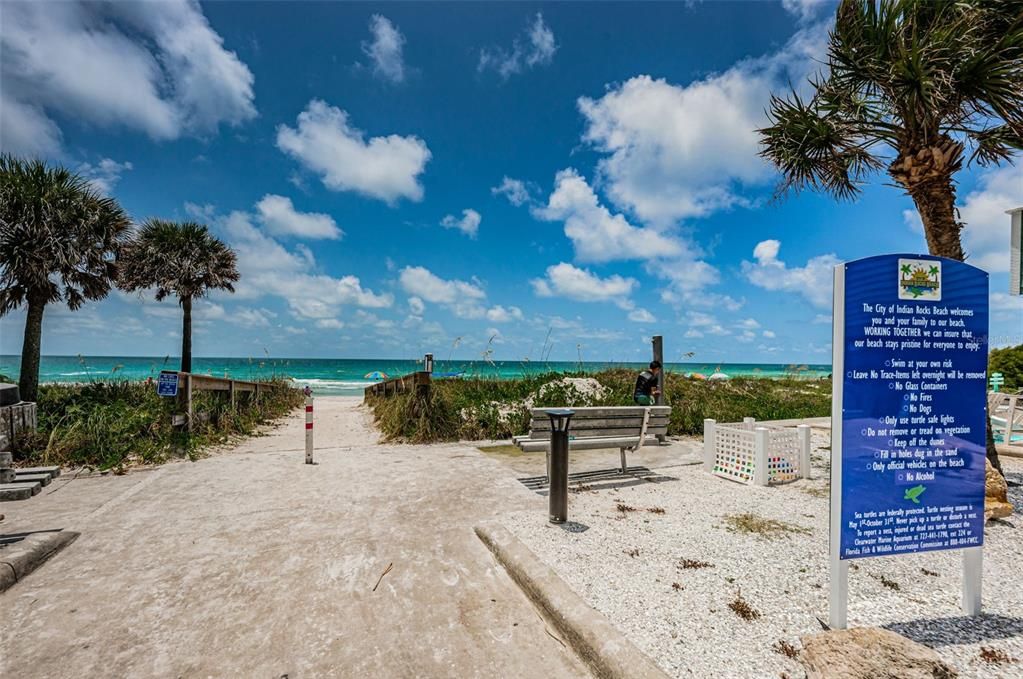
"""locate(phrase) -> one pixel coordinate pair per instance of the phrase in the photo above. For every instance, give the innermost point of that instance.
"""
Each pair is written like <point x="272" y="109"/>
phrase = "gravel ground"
<point x="626" y="564"/>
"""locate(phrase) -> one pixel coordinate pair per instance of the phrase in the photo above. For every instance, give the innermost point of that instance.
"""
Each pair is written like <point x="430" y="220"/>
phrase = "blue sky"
<point x="400" y="178"/>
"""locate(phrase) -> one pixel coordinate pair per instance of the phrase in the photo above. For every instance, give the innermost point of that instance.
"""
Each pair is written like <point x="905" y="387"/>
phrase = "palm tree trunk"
<point x="28" y="381"/>
<point x="992" y="452"/>
<point x="936" y="204"/>
<point x="926" y="174"/>
<point x="186" y="335"/>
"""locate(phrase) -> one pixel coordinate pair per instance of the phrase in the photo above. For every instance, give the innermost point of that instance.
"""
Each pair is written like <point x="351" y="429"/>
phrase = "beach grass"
<point x="490" y="409"/>
<point x="119" y="423"/>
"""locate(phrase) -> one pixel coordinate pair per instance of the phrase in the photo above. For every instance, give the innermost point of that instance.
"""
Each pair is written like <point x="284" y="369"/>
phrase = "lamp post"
<point x="558" y="472"/>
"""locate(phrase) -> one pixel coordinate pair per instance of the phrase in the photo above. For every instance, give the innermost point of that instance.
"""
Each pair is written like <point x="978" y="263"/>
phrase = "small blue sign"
<point x="913" y="405"/>
<point x="167" y="385"/>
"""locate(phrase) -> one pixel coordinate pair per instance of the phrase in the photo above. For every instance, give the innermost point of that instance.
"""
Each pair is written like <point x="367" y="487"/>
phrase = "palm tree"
<point x="58" y="239"/>
<point x="184" y="260"/>
<point x="910" y="83"/>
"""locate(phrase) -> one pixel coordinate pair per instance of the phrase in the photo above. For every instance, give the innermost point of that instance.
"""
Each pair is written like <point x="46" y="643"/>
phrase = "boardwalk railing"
<point x="191" y="382"/>
<point x="417" y="381"/>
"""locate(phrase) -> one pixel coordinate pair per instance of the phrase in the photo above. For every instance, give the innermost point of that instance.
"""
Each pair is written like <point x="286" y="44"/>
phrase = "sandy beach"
<point x="249" y="562"/>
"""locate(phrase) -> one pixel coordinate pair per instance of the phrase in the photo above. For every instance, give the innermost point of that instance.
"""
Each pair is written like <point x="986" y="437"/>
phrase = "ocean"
<point x="346" y="376"/>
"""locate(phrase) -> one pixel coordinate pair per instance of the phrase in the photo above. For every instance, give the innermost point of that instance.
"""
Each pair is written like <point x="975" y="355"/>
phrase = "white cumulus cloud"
<point x="813" y="281"/>
<point x="641" y="316"/>
<point x="386" y="168"/>
<point x="535" y="48"/>
<point x="500" y="314"/>
<point x="515" y="190"/>
<point x="700" y="324"/>
<point x="598" y="235"/>
<point x="677" y="151"/>
<point x="385" y="50"/>
<point x="464" y="299"/>
<point x="469" y="223"/>
<point x="807" y="9"/>
<point x="267" y="268"/>
<point x="426" y="285"/>
<point x="158" y="68"/>
<point x="565" y="280"/>
<point x="986" y="230"/>
<point x="251" y="318"/>
<point x="104" y="175"/>
<point x="279" y="217"/>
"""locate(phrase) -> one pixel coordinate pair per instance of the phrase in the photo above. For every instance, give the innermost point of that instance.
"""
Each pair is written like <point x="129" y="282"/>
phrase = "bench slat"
<point x="655" y="420"/>
<point x="589" y="444"/>
<point x="603" y="432"/>
<point x="610" y="411"/>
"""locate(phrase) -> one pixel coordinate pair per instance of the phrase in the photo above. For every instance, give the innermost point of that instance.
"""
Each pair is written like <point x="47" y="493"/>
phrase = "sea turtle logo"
<point x="914" y="493"/>
<point x="919" y="279"/>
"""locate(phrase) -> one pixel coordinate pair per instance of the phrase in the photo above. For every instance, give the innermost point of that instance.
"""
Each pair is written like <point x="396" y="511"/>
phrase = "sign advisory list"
<point x="913" y="400"/>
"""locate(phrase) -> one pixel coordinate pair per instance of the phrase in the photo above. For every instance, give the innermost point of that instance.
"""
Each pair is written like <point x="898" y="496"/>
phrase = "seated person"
<point x="646" y="385"/>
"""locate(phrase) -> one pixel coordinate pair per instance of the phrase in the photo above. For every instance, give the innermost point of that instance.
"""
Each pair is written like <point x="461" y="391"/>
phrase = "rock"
<point x="996" y="491"/>
<point x="870" y="653"/>
<point x="579" y="392"/>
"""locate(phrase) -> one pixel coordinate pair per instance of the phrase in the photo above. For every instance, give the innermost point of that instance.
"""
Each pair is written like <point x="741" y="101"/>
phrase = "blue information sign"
<point x="167" y="385"/>
<point x="914" y="333"/>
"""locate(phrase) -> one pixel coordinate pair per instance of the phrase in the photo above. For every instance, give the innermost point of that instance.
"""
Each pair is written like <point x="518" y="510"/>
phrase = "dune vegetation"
<point x="119" y="423"/>
<point x="484" y="409"/>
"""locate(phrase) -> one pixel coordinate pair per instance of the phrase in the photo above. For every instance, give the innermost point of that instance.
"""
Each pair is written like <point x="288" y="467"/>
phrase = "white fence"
<point x="756" y="454"/>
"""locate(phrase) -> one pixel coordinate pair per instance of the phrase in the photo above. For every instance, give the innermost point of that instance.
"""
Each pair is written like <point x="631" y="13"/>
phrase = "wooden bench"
<point x="623" y="427"/>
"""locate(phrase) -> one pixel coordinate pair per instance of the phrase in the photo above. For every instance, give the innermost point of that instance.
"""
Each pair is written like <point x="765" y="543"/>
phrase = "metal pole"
<point x="558" y="505"/>
<point x="309" y="430"/>
<point x="973" y="568"/>
<point x="838" y="568"/>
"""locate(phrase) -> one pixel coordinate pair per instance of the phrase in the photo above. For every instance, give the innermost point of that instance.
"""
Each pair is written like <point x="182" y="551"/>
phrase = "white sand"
<point x="693" y="632"/>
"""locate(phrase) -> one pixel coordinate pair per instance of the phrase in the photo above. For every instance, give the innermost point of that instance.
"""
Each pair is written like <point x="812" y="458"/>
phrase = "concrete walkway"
<point x="253" y="564"/>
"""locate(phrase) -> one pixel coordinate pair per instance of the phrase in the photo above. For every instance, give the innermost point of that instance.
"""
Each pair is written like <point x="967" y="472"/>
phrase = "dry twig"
<point x="386" y="571"/>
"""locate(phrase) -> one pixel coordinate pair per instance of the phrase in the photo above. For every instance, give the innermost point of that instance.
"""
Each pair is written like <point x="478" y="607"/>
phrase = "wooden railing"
<point x="191" y="382"/>
<point x="417" y="381"/>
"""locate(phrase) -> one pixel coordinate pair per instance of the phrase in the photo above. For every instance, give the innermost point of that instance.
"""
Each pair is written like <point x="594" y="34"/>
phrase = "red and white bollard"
<point x="308" y="427"/>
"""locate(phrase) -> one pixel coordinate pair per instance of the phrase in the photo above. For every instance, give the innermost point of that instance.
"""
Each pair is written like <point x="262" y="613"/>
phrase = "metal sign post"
<point x="910" y="340"/>
<point x="997" y="380"/>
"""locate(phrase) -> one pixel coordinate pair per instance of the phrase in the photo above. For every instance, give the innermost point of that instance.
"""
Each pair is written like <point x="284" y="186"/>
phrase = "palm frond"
<point x="58" y="235"/>
<point x="180" y="259"/>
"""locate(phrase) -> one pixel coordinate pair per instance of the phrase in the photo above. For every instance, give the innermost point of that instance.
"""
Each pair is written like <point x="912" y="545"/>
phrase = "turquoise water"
<point x="346" y="376"/>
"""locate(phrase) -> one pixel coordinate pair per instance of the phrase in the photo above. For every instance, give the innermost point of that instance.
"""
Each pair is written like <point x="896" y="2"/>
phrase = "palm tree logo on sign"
<point x="920" y="279"/>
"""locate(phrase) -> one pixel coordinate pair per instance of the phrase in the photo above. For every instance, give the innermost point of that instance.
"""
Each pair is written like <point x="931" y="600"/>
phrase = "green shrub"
<point x="119" y="423"/>
<point x="1009" y="362"/>
<point x="480" y="408"/>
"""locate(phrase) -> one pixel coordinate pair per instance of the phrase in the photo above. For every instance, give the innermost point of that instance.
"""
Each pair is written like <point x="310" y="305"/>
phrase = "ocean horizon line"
<point x="352" y="375"/>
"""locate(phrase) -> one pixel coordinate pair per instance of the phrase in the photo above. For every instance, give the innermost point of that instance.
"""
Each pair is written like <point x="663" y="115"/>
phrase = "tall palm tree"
<point x="180" y="259"/>
<point x="910" y="83"/>
<point x="58" y="239"/>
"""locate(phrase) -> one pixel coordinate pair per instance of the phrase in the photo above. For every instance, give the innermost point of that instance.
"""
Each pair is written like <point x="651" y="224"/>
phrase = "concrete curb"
<point x="596" y="641"/>
<point x="23" y="557"/>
